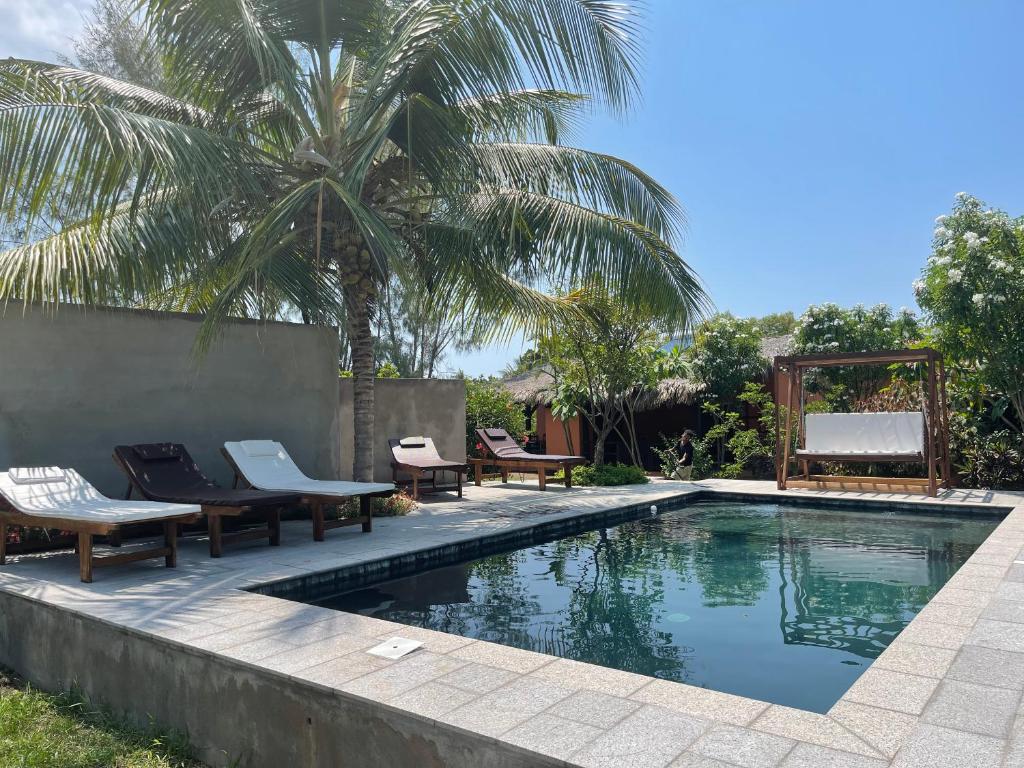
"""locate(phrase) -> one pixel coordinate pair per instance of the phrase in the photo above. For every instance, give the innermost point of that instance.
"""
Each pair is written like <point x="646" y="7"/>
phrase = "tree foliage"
<point x="300" y="154"/>
<point x="726" y="354"/>
<point x="602" y="361"/>
<point x="489" y="406"/>
<point x="972" y="289"/>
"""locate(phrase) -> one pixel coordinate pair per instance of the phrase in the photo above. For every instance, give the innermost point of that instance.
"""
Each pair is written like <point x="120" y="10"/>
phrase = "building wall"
<point x="434" y="408"/>
<point x="552" y="432"/>
<point x="77" y="382"/>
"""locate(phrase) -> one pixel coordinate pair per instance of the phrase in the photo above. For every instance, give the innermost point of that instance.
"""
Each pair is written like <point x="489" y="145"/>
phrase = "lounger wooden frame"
<point x="87" y="529"/>
<point x="524" y="465"/>
<point x="414" y="473"/>
<point x="936" y="421"/>
<point x="215" y="515"/>
<point x="316" y="502"/>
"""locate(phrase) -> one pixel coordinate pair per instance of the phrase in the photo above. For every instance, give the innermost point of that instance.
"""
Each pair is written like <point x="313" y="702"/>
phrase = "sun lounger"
<point x="166" y="472"/>
<point x="52" y="497"/>
<point x="503" y="452"/>
<point x="266" y="465"/>
<point x="416" y="455"/>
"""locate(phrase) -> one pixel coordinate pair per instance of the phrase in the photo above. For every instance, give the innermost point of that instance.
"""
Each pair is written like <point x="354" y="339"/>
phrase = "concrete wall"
<point x="232" y="713"/>
<point x="435" y="408"/>
<point x="77" y="382"/>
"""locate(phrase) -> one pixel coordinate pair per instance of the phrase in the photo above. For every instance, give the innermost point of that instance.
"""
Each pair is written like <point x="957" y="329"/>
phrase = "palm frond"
<point x="91" y="157"/>
<point x="35" y="82"/>
<point x="569" y="244"/>
<point x="116" y="258"/>
<point x="526" y="115"/>
<point x="591" y="179"/>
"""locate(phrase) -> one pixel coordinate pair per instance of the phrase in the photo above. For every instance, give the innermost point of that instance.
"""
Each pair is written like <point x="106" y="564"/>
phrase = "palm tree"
<point x="308" y="151"/>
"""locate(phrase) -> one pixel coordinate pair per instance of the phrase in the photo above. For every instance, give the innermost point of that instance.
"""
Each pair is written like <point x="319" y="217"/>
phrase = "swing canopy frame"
<point x="920" y="437"/>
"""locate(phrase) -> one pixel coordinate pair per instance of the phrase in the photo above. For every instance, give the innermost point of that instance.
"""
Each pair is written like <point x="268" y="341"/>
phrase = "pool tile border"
<point x="910" y="712"/>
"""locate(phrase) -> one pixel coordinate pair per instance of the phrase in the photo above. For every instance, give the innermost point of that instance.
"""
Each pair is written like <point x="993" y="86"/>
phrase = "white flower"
<point x="918" y="286"/>
<point x="943" y="260"/>
<point x="978" y="299"/>
<point x="941" y="219"/>
<point x="941" y="233"/>
<point x="955" y="275"/>
<point x="961" y="196"/>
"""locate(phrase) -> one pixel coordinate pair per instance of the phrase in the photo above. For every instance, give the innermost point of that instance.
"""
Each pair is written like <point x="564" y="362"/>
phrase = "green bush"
<point x="983" y="457"/>
<point x="489" y="406"/>
<point x="609" y="474"/>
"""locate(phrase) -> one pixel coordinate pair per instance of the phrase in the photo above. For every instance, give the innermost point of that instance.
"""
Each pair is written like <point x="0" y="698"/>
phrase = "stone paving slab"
<point x="946" y="692"/>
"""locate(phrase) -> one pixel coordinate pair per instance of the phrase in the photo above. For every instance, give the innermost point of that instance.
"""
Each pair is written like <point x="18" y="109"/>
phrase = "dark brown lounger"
<point x="416" y="455"/>
<point x="503" y="452"/>
<point x="166" y="472"/>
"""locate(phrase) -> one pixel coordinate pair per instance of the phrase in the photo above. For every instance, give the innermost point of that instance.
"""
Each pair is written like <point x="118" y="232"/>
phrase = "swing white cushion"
<point x="266" y="465"/>
<point x="896" y="434"/>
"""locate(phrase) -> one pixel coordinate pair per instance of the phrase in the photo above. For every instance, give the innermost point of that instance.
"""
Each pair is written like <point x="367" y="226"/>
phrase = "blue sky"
<point x="811" y="142"/>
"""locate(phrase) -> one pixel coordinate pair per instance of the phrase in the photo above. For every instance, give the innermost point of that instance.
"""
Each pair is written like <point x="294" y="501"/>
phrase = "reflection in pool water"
<point x="784" y="604"/>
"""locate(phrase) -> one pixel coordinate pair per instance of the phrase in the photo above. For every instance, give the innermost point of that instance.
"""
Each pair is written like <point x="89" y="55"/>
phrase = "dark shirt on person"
<point x="685" y="454"/>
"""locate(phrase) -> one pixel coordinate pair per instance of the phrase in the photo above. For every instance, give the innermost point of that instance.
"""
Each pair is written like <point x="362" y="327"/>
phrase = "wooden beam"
<point x="856" y="358"/>
<point x="873" y="484"/>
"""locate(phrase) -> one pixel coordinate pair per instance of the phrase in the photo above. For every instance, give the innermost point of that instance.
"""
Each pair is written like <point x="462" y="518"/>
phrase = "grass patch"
<point x="40" y="730"/>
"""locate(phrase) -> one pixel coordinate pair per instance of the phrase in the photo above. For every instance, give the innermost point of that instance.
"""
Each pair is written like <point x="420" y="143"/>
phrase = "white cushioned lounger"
<point x="892" y="434"/>
<point x="266" y="465"/>
<point x="65" y="494"/>
<point x="53" y="497"/>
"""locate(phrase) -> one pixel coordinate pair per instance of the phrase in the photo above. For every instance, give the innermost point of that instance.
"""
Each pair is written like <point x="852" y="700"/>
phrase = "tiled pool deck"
<point x="947" y="692"/>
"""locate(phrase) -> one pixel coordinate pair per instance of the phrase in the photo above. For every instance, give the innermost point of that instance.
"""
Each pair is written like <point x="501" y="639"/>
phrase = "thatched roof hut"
<point x="537" y="387"/>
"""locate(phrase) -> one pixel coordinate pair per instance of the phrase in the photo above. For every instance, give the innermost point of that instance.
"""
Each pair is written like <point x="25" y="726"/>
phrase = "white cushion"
<point x="256" y="448"/>
<point x="73" y="498"/>
<point x="412" y="442"/>
<point x="868" y="433"/>
<point x="277" y="472"/>
<point x="33" y="475"/>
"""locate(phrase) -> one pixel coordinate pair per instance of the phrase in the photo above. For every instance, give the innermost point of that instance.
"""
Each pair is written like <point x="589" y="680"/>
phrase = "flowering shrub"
<point x="829" y="328"/>
<point x="726" y="354"/>
<point x="396" y="505"/>
<point x="972" y="289"/>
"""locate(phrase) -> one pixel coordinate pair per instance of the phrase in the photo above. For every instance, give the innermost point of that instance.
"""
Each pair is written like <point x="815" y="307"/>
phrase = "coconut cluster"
<point x="354" y="262"/>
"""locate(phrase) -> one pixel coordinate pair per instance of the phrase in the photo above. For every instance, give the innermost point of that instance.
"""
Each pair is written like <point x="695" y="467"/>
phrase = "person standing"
<point x="684" y="467"/>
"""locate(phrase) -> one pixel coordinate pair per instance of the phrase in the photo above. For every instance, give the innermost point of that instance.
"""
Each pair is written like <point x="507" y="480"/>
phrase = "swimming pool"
<point x="788" y="604"/>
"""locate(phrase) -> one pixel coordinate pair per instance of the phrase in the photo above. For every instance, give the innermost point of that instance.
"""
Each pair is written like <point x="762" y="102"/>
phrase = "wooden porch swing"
<point x="912" y="437"/>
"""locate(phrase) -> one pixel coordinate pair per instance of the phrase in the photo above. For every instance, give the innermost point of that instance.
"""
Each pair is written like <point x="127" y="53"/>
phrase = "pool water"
<point x="781" y="603"/>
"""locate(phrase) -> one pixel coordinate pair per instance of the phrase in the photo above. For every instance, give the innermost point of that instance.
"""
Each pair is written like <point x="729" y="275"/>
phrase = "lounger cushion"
<point x="73" y="498"/>
<point x="256" y="448"/>
<point x="275" y="471"/>
<point x="166" y="472"/>
<point x="412" y="442"/>
<point x="505" y="447"/>
<point x="34" y="475"/>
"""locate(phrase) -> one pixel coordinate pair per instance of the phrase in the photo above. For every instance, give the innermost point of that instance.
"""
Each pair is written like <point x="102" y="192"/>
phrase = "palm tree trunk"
<point x="361" y="344"/>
